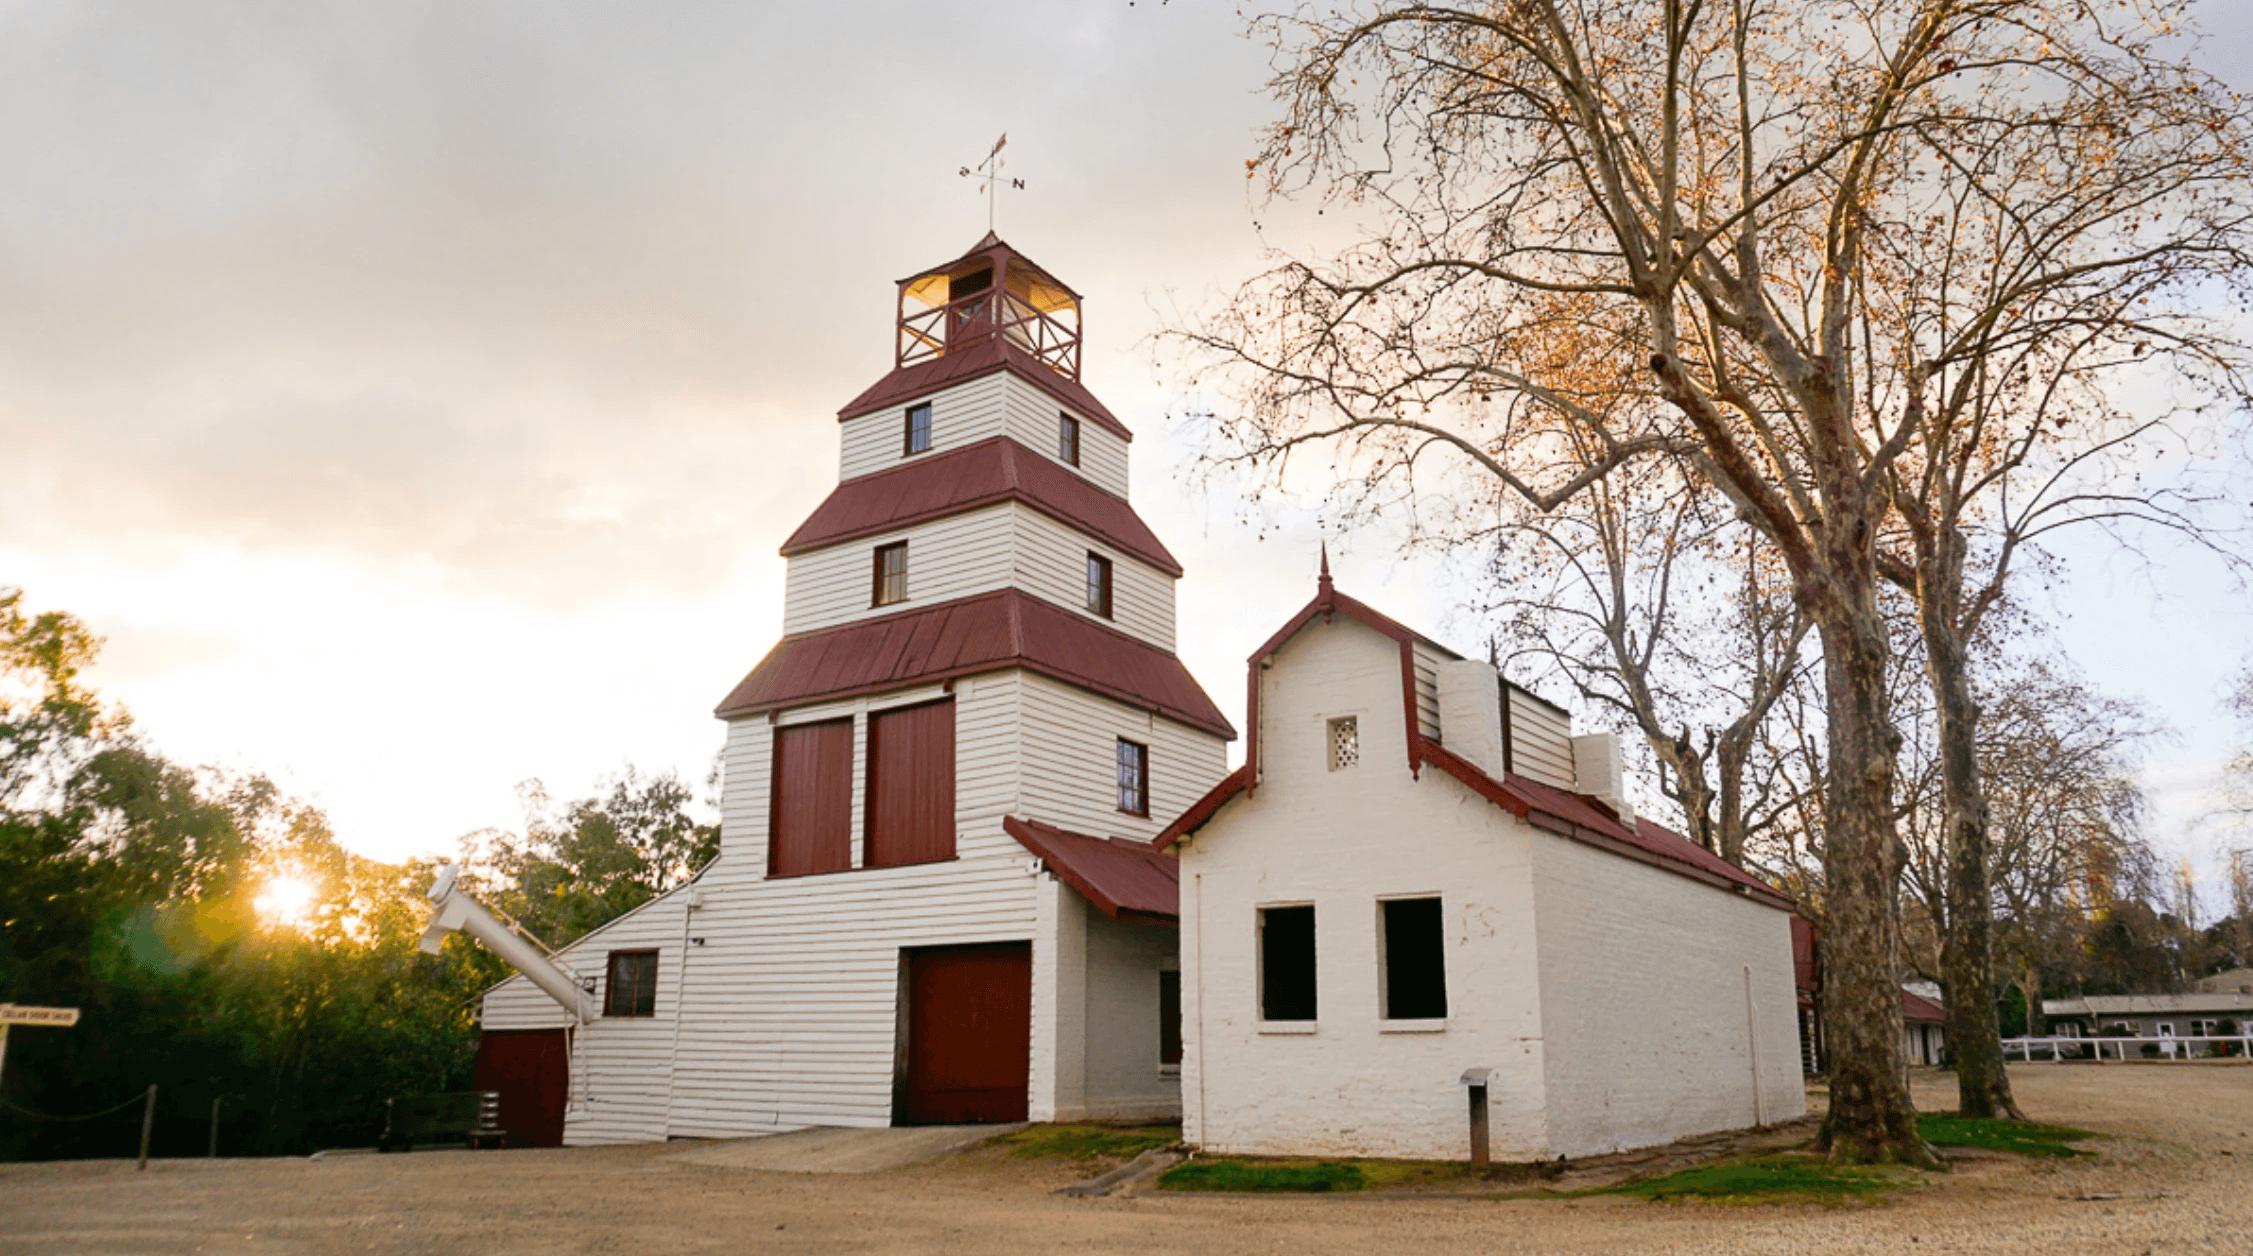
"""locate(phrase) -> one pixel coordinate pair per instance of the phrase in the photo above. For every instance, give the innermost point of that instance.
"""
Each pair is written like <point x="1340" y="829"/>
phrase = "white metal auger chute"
<point x="457" y="910"/>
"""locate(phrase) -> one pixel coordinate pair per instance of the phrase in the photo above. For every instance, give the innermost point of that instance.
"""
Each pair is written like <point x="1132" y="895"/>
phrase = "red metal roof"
<point x="1558" y="811"/>
<point x="974" y="361"/>
<point x="1006" y="628"/>
<point x="1126" y="880"/>
<point x="1919" y="1010"/>
<point x="994" y="470"/>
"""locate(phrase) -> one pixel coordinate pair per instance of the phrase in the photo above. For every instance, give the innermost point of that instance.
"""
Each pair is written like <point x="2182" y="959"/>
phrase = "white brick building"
<point x="1419" y="872"/>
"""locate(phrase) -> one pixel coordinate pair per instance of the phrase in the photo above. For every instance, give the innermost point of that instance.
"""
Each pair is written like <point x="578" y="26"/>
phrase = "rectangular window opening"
<point x="1169" y="1019"/>
<point x="632" y="986"/>
<point x="1099" y="585"/>
<point x="1286" y="963"/>
<point x="1414" y="966"/>
<point x="891" y="574"/>
<point x="1068" y="440"/>
<point x="1345" y="742"/>
<point x="918" y="437"/>
<point x="1134" y="777"/>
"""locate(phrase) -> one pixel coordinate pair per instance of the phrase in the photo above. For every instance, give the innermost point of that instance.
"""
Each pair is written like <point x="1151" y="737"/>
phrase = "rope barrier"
<point x="41" y="1116"/>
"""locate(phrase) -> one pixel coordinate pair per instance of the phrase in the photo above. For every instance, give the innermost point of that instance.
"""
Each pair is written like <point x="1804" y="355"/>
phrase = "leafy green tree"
<point x="582" y="864"/>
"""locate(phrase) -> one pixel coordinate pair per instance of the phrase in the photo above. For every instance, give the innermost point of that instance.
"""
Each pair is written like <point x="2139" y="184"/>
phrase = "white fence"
<point x="2103" y="1049"/>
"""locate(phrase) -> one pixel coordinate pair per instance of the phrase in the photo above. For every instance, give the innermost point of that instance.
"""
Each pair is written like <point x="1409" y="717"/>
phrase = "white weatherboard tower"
<point x="936" y="898"/>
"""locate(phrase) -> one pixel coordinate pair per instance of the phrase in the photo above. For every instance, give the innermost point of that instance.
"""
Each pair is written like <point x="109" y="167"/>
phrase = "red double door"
<point x="969" y="1034"/>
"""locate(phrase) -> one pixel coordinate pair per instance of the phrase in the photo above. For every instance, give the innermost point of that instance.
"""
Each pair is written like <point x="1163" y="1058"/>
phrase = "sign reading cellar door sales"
<point x="63" y="1017"/>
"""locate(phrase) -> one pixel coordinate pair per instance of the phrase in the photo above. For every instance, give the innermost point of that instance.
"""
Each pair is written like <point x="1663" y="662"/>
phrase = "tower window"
<point x="1286" y="963"/>
<point x="1345" y="742"/>
<point x="1099" y="585"/>
<point x="1413" y="973"/>
<point x="891" y="574"/>
<point x="918" y="428"/>
<point x="1068" y="439"/>
<point x="1134" y="777"/>
<point x="632" y="988"/>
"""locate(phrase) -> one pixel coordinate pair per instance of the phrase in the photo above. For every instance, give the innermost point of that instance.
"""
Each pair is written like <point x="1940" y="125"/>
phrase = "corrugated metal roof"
<point x="1006" y="628"/>
<point x="1919" y="1010"/>
<point x="993" y="470"/>
<point x="972" y="361"/>
<point x="1124" y="879"/>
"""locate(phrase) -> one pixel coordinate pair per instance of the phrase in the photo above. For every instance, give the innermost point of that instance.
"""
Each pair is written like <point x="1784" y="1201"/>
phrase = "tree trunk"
<point x="2030" y="984"/>
<point x="1967" y="943"/>
<point x="1871" y="1117"/>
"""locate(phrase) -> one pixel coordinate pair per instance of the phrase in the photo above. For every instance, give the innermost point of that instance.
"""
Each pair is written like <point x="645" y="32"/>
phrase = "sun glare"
<point x="287" y="900"/>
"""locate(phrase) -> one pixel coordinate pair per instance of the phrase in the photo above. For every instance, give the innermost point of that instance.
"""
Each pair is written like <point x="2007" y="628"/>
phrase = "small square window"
<point x="1134" y="777"/>
<point x="1068" y="440"/>
<point x="632" y="988"/>
<point x="1345" y="742"/>
<point x="1413" y="973"/>
<point x="891" y="574"/>
<point x="1099" y="585"/>
<point x="918" y="428"/>
<point x="1286" y="963"/>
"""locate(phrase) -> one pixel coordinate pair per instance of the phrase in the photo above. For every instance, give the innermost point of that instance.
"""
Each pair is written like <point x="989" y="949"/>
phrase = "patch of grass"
<point x="1768" y="1180"/>
<point x="1241" y="1175"/>
<point x="2021" y="1137"/>
<point x="1088" y="1142"/>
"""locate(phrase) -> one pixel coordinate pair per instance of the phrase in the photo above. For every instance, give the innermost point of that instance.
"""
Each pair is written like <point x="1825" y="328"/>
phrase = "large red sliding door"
<point x="810" y="823"/>
<point x="911" y="785"/>
<point x="969" y="1034"/>
<point x="531" y="1068"/>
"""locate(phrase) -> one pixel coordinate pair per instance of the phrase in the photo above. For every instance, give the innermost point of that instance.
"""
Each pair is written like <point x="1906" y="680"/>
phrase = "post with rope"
<point x="148" y="1123"/>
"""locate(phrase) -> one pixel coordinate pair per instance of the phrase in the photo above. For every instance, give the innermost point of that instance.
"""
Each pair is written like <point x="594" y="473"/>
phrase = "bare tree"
<point x="1665" y="613"/>
<point x="1645" y="226"/>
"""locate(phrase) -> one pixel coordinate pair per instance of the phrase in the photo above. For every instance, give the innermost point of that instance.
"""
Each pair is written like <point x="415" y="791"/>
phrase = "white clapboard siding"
<point x="1070" y="757"/>
<point x="1052" y="565"/>
<point x="794" y="1011"/>
<point x="1001" y="546"/>
<point x="1540" y="740"/>
<point x="946" y="559"/>
<point x="1032" y="421"/>
<point x="619" y="1069"/>
<point x="960" y="415"/>
<point x="1427" y="692"/>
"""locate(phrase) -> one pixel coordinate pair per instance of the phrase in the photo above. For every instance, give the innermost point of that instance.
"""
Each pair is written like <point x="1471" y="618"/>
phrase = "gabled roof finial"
<point x="1322" y="583"/>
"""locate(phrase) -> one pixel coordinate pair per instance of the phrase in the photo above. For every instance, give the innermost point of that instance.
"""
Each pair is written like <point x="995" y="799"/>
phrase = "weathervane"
<point x="989" y="176"/>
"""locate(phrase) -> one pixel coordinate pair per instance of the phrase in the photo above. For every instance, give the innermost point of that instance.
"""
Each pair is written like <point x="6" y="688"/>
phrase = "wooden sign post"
<point x="10" y="1014"/>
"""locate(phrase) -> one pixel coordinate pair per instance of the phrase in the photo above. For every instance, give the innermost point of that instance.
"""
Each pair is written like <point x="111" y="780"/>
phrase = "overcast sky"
<point x="414" y="394"/>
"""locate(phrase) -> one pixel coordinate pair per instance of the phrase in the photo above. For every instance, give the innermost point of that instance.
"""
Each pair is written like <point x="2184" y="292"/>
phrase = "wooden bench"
<point x="474" y="1115"/>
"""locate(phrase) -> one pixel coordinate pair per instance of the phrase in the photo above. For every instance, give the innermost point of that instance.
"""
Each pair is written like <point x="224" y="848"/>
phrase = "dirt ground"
<point x="2177" y="1177"/>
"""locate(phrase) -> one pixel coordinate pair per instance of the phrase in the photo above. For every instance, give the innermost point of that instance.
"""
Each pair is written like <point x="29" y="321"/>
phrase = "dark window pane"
<point x="1415" y="960"/>
<point x="1286" y="963"/>
<point x="1134" y="778"/>
<point x="1169" y="1018"/>
<point x="891" y="574"/>
<point x="1068" y="439"/>
<point x="1099" y="585"/>
<point x="632" y="986"/>
<point x="919" y="428"/>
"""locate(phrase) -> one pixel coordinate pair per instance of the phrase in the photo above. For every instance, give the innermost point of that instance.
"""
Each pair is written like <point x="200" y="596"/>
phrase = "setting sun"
<point x="286" y="901"/>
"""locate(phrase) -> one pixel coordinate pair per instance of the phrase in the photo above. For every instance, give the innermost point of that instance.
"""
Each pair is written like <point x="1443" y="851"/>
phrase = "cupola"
<point x="991" y="291"/>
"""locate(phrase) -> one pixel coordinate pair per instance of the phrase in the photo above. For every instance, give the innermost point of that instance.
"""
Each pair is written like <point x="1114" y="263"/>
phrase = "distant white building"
<point x="1420" y="872"/>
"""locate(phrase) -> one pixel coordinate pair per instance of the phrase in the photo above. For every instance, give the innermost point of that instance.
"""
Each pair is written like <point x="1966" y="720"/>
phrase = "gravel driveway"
<point x="2178" y="1178"/>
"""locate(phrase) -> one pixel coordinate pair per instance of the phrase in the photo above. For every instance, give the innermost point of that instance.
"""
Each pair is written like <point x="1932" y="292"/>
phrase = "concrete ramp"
<point x="826" y="1149"/>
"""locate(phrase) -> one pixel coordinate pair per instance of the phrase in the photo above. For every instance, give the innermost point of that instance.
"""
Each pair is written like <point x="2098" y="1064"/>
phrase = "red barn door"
<point x="531" y="1068"/>
<point x="970" y="1032"/>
